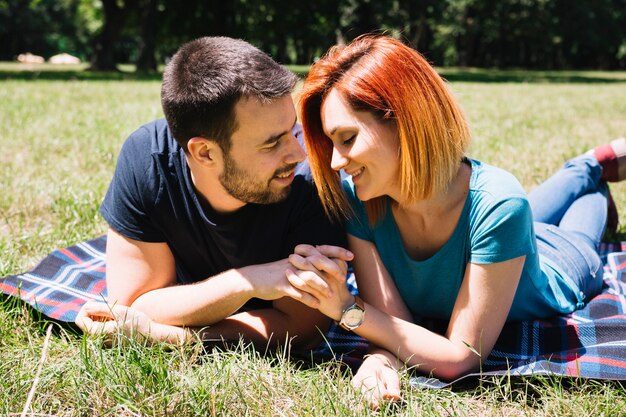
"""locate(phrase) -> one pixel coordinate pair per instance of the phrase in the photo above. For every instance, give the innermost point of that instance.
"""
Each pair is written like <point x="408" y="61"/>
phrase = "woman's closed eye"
<point x="349" y="141"/>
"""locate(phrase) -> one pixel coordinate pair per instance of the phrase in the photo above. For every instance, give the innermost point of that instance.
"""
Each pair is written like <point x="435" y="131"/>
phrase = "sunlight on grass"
<point x="60" y="140"/>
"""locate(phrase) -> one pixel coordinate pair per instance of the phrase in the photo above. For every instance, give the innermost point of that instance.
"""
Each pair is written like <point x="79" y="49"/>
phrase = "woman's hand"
<point x="321" y="272"/>
<point x="377" y="380"/>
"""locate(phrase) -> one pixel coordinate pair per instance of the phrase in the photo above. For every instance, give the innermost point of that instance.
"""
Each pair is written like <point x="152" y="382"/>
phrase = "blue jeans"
<point x="570" y="213"/>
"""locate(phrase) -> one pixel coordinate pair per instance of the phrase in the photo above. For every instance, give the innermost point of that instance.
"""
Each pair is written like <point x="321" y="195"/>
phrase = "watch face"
<point x="353" y="317"/>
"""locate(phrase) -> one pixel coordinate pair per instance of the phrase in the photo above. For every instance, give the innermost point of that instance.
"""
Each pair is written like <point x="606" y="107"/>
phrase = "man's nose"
<point x="295" y="153"/>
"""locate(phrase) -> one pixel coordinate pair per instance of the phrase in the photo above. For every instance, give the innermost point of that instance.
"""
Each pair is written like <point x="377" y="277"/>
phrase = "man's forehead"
<point x="258" y="121"/>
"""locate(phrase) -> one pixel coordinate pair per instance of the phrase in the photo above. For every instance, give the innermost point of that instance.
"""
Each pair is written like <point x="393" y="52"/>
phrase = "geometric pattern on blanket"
<point x="63" y="281"/>
<point x="589" y="343"/>
<point x="67" y="278"/>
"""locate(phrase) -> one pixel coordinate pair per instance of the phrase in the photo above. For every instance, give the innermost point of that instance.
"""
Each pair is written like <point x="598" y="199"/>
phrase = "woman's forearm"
<point x="411" y="345"/>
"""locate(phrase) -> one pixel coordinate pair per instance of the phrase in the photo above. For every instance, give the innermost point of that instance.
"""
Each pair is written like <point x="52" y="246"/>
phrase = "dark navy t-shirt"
<point x="152" y="199"/>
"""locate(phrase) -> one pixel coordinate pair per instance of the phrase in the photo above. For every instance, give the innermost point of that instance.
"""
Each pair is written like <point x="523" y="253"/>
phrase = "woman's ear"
<point x="204" y="151"/>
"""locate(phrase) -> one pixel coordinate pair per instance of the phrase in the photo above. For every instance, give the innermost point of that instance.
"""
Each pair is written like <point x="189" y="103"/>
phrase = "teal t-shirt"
<point x="496" y="225"/>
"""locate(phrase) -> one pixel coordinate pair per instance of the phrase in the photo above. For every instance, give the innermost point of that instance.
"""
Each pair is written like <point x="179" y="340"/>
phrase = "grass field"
<point x="60" y="132"/>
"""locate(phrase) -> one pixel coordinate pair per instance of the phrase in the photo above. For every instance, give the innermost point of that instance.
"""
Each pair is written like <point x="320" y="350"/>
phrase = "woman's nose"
<point x="338" y="161"/>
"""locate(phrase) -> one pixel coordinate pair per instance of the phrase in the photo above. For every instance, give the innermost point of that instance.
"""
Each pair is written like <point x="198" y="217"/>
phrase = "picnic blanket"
<point x="67" y="278"/>
<point x="589" y="343"/>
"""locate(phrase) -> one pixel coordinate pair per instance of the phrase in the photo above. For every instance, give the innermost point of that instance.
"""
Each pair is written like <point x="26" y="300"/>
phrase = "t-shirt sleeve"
<point x="133" y="191"/>
<point x="504" y="232"/>
<point x="357" y="225"/>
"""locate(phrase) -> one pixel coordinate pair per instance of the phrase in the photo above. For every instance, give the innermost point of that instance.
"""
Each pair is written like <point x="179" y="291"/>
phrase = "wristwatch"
<point x="353" y="316"/>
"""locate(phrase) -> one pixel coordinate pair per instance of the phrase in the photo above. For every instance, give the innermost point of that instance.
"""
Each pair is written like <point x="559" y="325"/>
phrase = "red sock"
<point x="612" y="157"/>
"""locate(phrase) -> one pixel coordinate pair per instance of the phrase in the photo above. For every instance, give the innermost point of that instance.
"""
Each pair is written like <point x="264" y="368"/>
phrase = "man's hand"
<point x="377" y="381"/>
<point x="100" y="319"/>
<point x="269" y="282"/>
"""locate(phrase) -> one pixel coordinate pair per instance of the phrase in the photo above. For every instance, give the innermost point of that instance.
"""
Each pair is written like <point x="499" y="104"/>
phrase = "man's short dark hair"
<point x="205" y="79"/>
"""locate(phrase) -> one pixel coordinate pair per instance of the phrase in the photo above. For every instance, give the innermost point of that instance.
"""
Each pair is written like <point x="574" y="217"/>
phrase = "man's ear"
<point x="204" y="151"/>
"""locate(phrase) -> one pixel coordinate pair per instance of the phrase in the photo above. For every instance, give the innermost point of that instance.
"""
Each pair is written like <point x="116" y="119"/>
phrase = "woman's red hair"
<point x="383" y="76"/>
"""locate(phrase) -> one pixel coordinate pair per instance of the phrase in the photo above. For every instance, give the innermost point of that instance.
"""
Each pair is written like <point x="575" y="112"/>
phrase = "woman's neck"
<point x="442" y="202"/>
<point x="425" y="226"/>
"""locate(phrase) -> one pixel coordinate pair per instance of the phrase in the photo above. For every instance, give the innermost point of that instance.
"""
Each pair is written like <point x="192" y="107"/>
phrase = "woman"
<point x="435" y="234"/>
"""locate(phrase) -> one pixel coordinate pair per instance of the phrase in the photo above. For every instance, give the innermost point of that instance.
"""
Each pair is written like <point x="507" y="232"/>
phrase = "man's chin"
<point x="282" y="194"/>
<point x="272" y="197"/>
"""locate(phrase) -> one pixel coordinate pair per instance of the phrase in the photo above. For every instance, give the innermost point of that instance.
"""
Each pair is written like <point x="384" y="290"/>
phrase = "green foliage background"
<point x="542" y="34"/>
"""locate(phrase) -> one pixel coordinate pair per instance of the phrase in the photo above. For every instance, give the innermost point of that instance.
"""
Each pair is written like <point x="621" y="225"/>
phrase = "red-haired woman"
<point x="433" y="233"/>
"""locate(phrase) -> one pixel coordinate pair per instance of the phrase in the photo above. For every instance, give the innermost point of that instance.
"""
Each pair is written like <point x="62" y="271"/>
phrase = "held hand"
<point x="331" y="296"/>
<point x="377" y="381"/>
<point x="325" y="258"/>
<point x="100" y="319"/>
<point x="268" y="282"/>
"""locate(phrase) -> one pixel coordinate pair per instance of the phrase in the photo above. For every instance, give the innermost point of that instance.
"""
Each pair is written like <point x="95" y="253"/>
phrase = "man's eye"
<point x="271" y="146"/>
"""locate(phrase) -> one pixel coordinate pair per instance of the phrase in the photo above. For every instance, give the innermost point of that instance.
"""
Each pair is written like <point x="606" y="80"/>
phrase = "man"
<point x="205" y="207"/>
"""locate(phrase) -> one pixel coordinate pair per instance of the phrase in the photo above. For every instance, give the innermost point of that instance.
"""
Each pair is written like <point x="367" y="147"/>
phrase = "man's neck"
<point x="214" y="193"/>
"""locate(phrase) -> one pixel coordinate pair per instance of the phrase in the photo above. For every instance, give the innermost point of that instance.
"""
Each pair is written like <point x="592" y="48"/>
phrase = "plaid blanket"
<point x="67" y="278"/>
<point x="589" y="343"/>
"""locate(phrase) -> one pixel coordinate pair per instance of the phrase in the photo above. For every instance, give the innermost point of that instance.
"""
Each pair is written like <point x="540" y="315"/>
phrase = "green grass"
<point x="60" y="134"/>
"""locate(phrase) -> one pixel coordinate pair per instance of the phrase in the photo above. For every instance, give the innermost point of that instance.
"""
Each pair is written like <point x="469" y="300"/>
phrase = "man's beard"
<point x="248" y="189"/>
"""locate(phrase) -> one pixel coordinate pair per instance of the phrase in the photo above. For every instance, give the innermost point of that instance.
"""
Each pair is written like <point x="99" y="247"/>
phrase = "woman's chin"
<point x="363" y="195"/>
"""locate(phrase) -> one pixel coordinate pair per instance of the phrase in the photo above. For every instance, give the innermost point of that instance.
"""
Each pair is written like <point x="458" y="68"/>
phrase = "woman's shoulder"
<point x="495" y="194"/>
<point x="493" y="182"/>
<point x="500" y="217"/>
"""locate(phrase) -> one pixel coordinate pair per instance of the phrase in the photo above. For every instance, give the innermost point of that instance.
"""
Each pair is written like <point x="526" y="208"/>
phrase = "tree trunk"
<point x="146" y="59"/>
<point x="103" y="58"/>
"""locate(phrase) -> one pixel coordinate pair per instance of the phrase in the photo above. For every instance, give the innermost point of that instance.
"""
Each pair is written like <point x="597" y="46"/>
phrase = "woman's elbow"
<point x="458" y="366"/>
<point x="451" y="372"/>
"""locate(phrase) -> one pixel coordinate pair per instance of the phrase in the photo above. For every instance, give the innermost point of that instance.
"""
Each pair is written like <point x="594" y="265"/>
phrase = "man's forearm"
<point x="196" y="305"/>
<point x="216" y="298"/>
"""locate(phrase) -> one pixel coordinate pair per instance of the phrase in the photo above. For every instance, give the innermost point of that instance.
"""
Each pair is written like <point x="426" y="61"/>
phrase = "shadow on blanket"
<point x="590" y="343"/>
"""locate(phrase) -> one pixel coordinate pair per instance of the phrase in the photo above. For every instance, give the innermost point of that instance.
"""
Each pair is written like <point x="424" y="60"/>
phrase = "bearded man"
<point x="206" y="206"/>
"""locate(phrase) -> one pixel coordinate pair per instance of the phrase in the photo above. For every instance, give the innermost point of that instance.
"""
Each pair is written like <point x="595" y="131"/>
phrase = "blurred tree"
<point x="115" y="14"/>
<point x="590" y="32"/>
<point x="146" y="59"/>
<point x="43" y="27"/>
<point x="498" y="33"/>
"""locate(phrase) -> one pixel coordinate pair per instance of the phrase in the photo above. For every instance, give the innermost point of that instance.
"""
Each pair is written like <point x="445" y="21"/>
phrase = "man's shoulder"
<point x="151" y="138"/>
<point x="146" y="154"/>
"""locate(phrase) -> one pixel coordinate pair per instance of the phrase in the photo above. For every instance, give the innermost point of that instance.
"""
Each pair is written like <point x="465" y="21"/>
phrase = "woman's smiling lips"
<point x="356" y="174"/>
